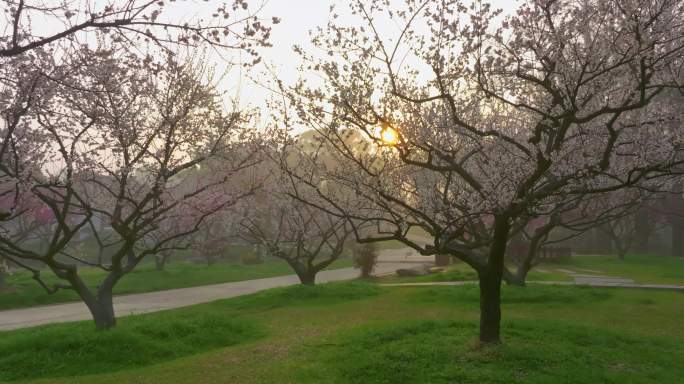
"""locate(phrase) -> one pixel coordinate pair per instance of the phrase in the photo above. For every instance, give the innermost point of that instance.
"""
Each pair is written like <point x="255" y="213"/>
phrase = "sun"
<point x="389" y="136"/>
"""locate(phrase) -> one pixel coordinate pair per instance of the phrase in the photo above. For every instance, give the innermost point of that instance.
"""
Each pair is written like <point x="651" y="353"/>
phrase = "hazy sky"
<point x="297" y="18"/>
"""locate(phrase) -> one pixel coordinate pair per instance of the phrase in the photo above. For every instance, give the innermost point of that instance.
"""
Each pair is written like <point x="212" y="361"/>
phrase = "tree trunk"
<point x="490" y="283"/>
<point x="442" y="260"/>
<point x="101" y="306"/>
<point x="160" y="261"/>
<point x="642" y="230"/>
<point x="307" y="278"/>
<point x="620" y="249"/>
<point x="490" y="308"/>
<point x="211" y="260"/>
<point x="4" y="272"/>
<point x="601" y="246"/>
<point x="306" y="275"/>
<point x="677" y="237"/>
<point x="518" y="279"/>
<point x="103" y="312"/>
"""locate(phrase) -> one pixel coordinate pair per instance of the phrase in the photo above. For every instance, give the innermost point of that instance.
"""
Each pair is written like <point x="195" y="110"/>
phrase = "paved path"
<point x="594" y="277"/>
<point x="589" y="284"/>
<point x="161" y="300"/>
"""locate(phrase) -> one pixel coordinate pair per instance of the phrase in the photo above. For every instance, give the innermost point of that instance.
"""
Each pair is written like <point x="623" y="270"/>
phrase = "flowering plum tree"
<point x="479" y="121"/>
<point x="41" y="41"/>
<point x="572" y="217"/>
<point x="103" y="126"/>
<point x="307" y="238"/>
<point x="128" y="139"/>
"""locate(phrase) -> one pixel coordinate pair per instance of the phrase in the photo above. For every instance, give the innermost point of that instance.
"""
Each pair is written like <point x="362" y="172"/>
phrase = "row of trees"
<point x="109" y="132"/>
<point x="449" y="117"/>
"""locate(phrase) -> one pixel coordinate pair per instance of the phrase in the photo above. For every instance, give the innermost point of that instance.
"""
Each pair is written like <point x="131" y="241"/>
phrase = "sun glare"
<point x="389" y="136"/>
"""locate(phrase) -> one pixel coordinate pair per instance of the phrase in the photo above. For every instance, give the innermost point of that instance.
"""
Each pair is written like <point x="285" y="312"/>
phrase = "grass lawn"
<point x="362" y="333"/>
<point x="641" y="268"/>
<point x="22" y="291"/>
<point x="462" y="272"/>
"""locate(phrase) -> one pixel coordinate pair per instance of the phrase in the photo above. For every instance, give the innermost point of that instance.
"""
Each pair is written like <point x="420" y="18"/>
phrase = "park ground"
<point x="363" y="332"/>
<point x="23" y="291"/>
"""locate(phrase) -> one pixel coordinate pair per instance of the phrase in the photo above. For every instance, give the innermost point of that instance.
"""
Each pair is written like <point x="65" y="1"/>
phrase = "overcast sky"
<point x="298" y="17"/>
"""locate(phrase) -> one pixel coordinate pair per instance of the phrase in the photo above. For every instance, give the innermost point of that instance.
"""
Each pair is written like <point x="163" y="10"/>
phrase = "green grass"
<point x="641" y="268"/>
<point x="537" y="352"/>
<point x="76" y="349"/>
<point x="22" y="291"/>
<point x="462" y="272"/>
<point x="361" y="333"/>
<point x="645" y="269"/>
<point x="321" y="294"/>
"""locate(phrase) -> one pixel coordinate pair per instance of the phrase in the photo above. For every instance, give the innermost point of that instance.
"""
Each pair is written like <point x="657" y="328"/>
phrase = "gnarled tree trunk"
<point x="307" y="278"/>
<point x="101" y="303"/>
<point x="643" y="226"/>
<point x="103" y="310"/>
<point x="677" y="237"/>
<point x="306" y="275"/>
<point x="490" y="283"/>
<point x="4" y="271"/>
<point x="160" y="261"/>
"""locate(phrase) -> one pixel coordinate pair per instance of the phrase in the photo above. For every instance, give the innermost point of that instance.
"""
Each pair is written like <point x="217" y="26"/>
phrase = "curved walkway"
<point x="161" y="300"/>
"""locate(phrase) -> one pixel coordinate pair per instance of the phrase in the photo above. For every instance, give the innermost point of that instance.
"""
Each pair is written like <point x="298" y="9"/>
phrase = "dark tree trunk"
<point x="601" y="246"/>
<point x="160" y="261"/>
<point x="642" y="230"/>
<point x="674" y="206"/>
<point x="531" y="257"/>
<point x="490" y="283"/>
<point x="442" y="260"/>
<point x="101" y="306"/>
<point x="620" y="248"/>
<point x="103" y="312"/>
<point x="307" y="278"/>
<point x="490" y="309"/>
<point x="4" y="271"/>
<point x="518" y="279"/>
<point x="621" y="251"/>
<point x="677" y="237"/>
<point x="211" y="260"/>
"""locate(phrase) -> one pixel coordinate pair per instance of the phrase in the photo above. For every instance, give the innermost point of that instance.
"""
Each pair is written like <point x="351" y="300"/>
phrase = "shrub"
<point x="365" y="258"/>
